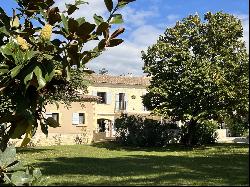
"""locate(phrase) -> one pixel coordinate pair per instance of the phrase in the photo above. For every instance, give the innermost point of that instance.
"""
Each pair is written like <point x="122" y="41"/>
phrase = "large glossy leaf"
<point x="102" y="44"/>
<point x="50" y="69"/>
<point x="50" y="75"/>
<point x="102" y="28"/>
<point x="28" y="78"/>
<point x="115" y="42"/>
<point x="4" y="30"/>
<point x="98" y="19"/>
<point x="65" y="22"/>
<point x="85" y="29"/>
<point x="122" y="3"/>
<point x="7" y="157"/>
<point x="52" y="123"/>
<point x="73" y="25"/>
<point x="4" y="69"/>
<point x="20" y="129"/>
<point x="80" y="2"/>
<point x="71" y="8"/>
<point x="6" y="50"/>
<point x="109" y="5"/>
<point x="4" y="18"/>
<point x="53" y="15"/>
<point x="39" y="75"/>
<point x="44" y="128"/>
<point x="117" y="32"/>
<point x="14" y="166"/>
<point x="28" y="135"/>
<point x="15" y="70"/>
<point x="20" y="178"/>
<point x="116" y="19"/>
<point x="15" y="22"/>
<point x="80" y="20"/>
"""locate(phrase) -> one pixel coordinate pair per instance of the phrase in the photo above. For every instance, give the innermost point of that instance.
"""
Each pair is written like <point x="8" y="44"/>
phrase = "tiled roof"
<point x="122" y="80"/>
<point x="89" y="98"/>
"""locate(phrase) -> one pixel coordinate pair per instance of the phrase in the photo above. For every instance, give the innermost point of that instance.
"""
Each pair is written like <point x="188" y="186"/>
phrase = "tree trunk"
<point x="191" y="132"/>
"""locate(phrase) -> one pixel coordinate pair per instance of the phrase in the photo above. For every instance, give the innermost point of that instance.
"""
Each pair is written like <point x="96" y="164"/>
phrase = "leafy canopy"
<point x="199" y="69"/>
<point x="39" y="45"/>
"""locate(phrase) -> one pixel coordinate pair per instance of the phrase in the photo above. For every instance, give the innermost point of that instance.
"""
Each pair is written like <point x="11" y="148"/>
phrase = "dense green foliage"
<point x="39" y="45"/>
<point x="237" y="127"/>
<point x="113" y="165"/>
<point x="143" y="132"/>
<point x="12" y="174"/>
<point x="199" y="133"/>
<point x="140" y="131"/>
<point x="199" y="70"/>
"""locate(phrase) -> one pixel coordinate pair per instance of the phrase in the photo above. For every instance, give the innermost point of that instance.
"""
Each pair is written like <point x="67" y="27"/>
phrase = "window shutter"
<point x="94" y="93"/>
<point x="75" y="118"/>
<point x="116" y="102"/>
<point x="126" y="101"/>
<point x="109" y="98"/>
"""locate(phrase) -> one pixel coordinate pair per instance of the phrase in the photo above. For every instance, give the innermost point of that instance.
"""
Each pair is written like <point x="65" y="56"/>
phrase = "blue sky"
<point x="145" y="20"/>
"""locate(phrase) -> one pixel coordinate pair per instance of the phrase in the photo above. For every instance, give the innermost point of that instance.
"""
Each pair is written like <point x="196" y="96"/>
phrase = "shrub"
<point x="140" y="131"/>
<point x="199" y="133"/>
<point x="237" y="127"/>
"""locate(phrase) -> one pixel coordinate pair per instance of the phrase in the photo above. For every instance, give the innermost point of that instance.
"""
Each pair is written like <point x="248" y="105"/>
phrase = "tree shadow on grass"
<point x="114" y="146"/>
<point x="31" y="150"/>
<point x="150" y="170"/>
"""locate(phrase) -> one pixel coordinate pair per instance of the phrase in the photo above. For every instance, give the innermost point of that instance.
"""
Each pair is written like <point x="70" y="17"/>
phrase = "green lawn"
<point x="108" y="164"/>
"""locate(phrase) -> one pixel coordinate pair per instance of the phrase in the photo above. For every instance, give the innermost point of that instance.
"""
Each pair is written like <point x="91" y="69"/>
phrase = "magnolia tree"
<point x="199" y="70"/>
<point x="39" y="44"/>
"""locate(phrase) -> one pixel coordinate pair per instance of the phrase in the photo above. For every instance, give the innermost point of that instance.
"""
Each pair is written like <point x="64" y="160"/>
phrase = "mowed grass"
<point x="110" y="164"/>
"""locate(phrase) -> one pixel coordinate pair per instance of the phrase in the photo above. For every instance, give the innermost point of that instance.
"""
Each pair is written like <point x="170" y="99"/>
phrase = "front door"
<point x="105" y="125"/>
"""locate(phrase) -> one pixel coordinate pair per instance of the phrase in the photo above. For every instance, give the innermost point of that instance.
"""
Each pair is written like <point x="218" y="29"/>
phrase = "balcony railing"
<point x="121" y="106"/>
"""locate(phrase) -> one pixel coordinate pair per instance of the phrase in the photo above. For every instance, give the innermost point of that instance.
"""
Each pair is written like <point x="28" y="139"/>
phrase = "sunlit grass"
<point x="109" y="164"/>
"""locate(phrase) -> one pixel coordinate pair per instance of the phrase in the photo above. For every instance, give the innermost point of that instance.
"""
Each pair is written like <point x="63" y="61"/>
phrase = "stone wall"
<point x="55" y="139"/>
<point x="71" y="139"/>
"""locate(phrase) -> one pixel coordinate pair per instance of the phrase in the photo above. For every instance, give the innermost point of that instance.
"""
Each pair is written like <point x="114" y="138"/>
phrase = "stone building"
<point x="107" y="97"/>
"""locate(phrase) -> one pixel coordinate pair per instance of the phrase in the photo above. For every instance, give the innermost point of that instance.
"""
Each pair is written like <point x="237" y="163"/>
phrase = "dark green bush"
<point x="237" y="126"/>
<point x="140" y="131"/>
<point x="198" y="133"/>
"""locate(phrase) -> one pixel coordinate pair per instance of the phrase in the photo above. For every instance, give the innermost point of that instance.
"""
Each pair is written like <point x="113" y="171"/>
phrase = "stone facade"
<point x="95" y="120"/>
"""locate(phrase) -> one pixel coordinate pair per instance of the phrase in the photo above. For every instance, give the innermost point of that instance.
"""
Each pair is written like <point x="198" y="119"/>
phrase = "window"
<point x="103" y="96"/>
<point x="78" y="118"/>
<point x="55" y="116"/>
<point x="121" y="101"/>
<point x="81" y="118"/>
<point x="106" y="97"/>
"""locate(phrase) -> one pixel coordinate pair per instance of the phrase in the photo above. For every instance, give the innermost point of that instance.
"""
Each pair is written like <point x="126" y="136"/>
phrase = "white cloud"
<point x="125" y="58"/>
<point x="86" y="10"/>
<point x="135" y="17"/>
<point x="145" y="35"/>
